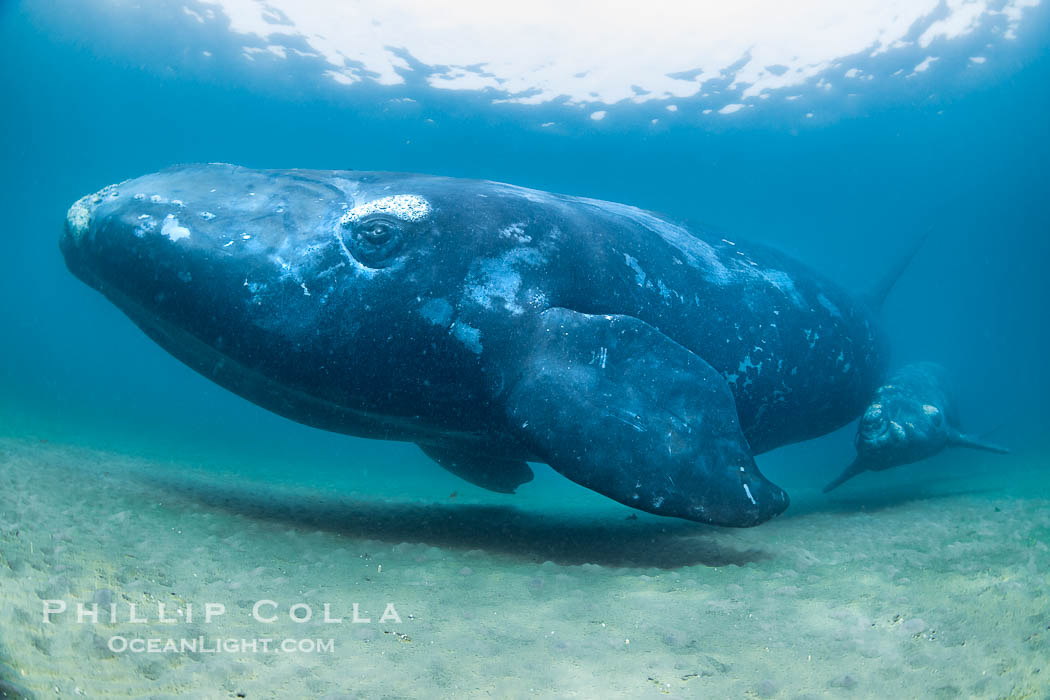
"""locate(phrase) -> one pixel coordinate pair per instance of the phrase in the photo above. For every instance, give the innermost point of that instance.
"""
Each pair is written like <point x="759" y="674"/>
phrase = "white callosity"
<point x="79" y="215"/>
<point x="406" y="207"/>
<point x="79" y="218"/>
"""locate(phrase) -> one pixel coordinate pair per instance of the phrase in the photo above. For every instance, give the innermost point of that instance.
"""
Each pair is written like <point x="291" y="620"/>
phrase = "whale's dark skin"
<point x="491" y="324"/>
<point x="912" y="418"/>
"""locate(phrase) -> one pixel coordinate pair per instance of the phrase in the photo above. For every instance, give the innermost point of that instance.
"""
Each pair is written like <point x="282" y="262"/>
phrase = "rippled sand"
<point x="944" y="595"/>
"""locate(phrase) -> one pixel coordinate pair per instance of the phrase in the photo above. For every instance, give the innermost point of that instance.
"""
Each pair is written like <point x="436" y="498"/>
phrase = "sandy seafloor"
<point x="940" y="590"/>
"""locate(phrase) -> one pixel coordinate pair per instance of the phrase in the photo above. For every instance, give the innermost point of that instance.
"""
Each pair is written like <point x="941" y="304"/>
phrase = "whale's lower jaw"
<point x="285" y="401"/>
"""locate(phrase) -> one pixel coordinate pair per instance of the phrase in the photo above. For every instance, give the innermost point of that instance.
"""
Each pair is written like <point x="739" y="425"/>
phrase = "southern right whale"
<point x="913" y="417"/>
<point x="490" y="324"/>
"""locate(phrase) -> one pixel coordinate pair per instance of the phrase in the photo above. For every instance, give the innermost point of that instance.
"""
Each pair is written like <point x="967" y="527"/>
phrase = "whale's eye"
<point x="376" y="232"/>
<point x="373" y="241"/>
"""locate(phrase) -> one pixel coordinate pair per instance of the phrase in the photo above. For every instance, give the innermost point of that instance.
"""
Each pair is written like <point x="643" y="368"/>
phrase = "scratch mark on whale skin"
<point x="829" y="306"/>
<point x="639" y="273"/>
<point x="698" y="253"/>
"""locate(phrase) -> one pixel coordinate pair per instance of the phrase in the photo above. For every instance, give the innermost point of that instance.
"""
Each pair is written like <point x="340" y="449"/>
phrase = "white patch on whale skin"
<point x="493" y="279"/>
<point x="146" y="225"/>
<point x="516" y="232"/>
<point x="747" y="364"/>
<point x="536" y="299"/>
<point x="468" y="335"/>
<point x="173" y="230"/>
<point x="496" y="280"/>
<point x="749" y="496"/>
<point x="437" y="311"/>
<point x="406" y="207"/>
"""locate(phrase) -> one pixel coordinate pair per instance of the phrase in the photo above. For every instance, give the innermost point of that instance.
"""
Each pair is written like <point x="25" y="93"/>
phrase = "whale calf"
<point x="912" y="418"/>
<point x="493" y="325"/>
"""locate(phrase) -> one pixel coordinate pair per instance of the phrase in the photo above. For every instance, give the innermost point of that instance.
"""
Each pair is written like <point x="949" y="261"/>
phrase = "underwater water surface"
<point x="838" y="136"/>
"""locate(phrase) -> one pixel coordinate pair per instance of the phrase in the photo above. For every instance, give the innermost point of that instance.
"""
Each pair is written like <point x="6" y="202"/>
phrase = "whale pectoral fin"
<point x="847" y="474"/>
<point x="957" y="439"/>
<point x="615" y="405"/>
<point x="495" y="474"/>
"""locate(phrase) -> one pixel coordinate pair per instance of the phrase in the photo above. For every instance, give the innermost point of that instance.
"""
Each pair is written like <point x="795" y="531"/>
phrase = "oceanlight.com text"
<point x="231" y="645"/>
